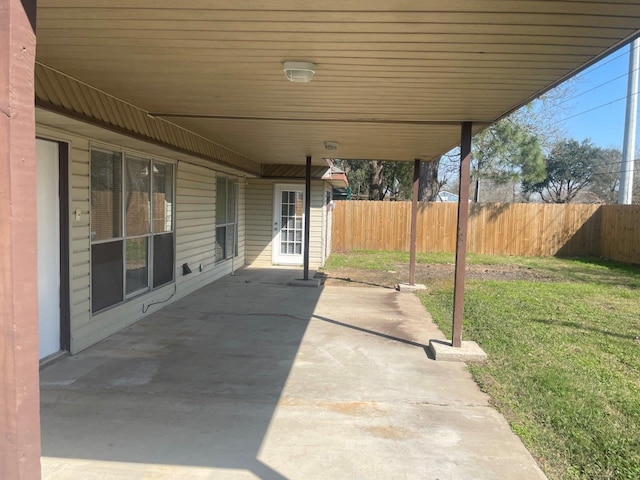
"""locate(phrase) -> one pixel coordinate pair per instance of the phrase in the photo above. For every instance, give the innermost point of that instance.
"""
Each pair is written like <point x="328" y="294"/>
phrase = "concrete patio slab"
<point x="250" y="378"/>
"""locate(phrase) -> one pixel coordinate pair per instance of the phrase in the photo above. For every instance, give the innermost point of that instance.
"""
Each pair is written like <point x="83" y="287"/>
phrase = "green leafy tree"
<point x="506" y="152"/>
<point x="606" y="177"/>
<point x="398" y="179"/>
<point x="571" y="168"/>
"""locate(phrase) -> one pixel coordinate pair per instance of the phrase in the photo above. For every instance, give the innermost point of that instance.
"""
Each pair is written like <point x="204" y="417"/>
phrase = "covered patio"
<point x="297" y="383"/>
<point x="183" y="110"/>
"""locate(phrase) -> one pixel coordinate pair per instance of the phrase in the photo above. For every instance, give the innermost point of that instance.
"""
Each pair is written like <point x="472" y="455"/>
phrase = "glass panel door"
<point x="288" y="225"/>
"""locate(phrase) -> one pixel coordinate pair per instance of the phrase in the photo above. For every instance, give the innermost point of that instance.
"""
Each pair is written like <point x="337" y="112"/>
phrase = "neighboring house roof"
<point x="445" y="196"/>
<point x="336" y="176"/>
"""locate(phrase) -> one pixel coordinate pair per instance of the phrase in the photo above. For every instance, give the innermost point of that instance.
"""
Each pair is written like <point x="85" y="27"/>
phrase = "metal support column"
<point x="461" y="238"/>
<point x="414" y="222"/>
<point x="307" y="217"/>
<point x="19" y="389"/>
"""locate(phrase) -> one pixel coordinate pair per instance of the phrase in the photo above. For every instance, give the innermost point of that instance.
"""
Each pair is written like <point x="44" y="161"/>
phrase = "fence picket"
<point x="610" y="231"/>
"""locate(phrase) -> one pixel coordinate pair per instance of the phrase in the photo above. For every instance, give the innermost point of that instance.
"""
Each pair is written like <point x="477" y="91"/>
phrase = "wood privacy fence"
<point x="528" y="229"/>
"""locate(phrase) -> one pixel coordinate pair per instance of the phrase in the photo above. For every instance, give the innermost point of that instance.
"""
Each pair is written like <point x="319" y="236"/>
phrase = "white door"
<point x="48" y="205"/>
<point x="288" y="225"/>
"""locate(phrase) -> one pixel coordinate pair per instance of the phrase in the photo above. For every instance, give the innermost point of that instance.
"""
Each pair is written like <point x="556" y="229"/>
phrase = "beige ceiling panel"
<point x="392" y="77"/>
<point x="290" y="142"/>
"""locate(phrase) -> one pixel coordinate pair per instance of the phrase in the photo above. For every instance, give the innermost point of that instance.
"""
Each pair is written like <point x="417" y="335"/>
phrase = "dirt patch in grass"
<point x="426" y="274"/>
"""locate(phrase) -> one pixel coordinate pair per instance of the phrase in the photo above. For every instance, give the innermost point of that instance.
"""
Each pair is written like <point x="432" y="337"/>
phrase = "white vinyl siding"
<point x="329" y="224"/>
<point x="195" y="242"/>
<point x="259" y="229"/>
<point x="79" y="237"/>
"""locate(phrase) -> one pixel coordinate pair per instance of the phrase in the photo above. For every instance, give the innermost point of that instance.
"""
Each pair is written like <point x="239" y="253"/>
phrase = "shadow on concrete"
<point x="194" y="384"/>
<point x="372" y="332"/>
<point x="323" y="277"/>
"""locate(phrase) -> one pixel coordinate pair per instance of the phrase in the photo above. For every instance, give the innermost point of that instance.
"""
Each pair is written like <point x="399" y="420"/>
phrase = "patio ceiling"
<point x="394" y="79"/>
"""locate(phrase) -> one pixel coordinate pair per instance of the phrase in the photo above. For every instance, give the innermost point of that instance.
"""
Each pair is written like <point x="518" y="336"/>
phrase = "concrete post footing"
<point x="469" y="351"/>
<point x="407" y="287"/>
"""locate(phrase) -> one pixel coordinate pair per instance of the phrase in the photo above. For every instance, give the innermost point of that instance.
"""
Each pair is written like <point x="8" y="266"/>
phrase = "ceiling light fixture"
<point x="329" y="145"/>
<point x="299" y="72"/>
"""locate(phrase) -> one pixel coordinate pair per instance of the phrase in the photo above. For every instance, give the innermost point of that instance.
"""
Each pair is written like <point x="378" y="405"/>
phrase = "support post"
<point x="461" y="238"/>
<point x="307" y="217"/>
<point x="414" y="222"/>
<point x="19" y="390"/>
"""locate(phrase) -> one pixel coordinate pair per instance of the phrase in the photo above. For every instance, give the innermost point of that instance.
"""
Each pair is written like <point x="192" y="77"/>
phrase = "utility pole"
<point x="629" y="146"/>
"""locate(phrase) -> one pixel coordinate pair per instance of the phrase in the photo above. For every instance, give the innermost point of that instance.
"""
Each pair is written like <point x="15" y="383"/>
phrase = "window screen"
<point x="106" y="274"/>
<point x="138" y="202"/>
<point x="221" y="201"/>
<point x="163" y="263"/>
<point x="162" y="197"/>
<point x="137" y="264"/>
<point x="221" y="243"/>
<point x="226" y="212"/>
<point x="106" y="195"/>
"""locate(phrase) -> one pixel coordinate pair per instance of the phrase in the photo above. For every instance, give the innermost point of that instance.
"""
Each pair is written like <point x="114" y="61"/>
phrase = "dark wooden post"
<point x="461" y="239"/>
<point x="19" y="390"/>
<point x="414" y="222"/>
<point x="307" y="217"/>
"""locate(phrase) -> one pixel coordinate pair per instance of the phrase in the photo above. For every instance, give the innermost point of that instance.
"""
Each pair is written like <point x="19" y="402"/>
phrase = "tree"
<point x="506" y="152"/>
<point x="606" y="176"/>
<point x="358" y="174"/>
<point x="571" y="167"/>
<point x="430" y="183"/>
<point x="512" y="150"/>
<point x="398" y="178"/>
<point x="376" y="179"/>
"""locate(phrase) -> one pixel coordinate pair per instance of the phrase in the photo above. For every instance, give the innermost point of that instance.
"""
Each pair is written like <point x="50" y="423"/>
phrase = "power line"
<point x="626" y="74"/>
<point x="591" y="89"/>
<point x="616" y="173"/>
<point x="560" y="102"/>
<point x="592" y="109"/>
<point x="599" y="66"/>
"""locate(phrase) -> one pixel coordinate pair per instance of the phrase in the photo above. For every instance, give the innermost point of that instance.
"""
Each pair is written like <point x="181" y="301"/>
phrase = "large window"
<point x="132" y="226"/>
<point x="226" y="223"/>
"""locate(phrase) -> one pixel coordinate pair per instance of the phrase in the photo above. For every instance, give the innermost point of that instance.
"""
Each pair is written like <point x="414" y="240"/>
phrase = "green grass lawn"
<point x="564" y="355"/>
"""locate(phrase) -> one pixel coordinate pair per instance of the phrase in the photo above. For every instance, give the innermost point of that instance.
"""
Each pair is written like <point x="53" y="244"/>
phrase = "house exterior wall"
<point x="259" y="210"/>
<point x="328" y="221"/>
<point x="195" y="197"/>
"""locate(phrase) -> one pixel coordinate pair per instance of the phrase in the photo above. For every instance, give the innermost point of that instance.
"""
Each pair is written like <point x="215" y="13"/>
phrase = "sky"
<point x="596" y="105"/>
